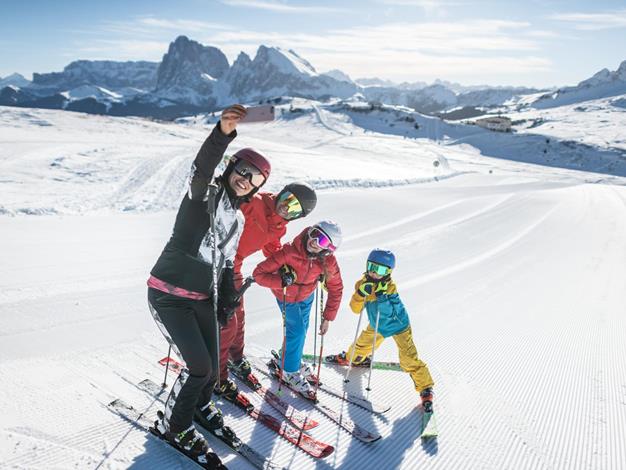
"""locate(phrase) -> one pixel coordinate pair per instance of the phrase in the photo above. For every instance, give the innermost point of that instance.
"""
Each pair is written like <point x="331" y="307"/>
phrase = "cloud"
<point x="280" y="7"/>
<point x="594" y="21"/>
<point x="406" y="51"/>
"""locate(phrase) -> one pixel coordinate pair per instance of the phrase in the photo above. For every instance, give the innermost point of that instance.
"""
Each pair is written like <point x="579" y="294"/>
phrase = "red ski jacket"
<point x="308" y="270"/>
<point x="263" y="228"/>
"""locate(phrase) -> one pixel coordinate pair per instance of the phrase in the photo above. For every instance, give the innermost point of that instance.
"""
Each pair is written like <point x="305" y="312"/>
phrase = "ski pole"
<point x="319" y="366"/>
<point x="369" y="380"/>
<point x="356" y="334"/>
<point x="211" y="209"/>
<point x="317" y="288"/>
<point x="282" y="366"/>
<point x="167" y="366"/>
<point x="244" y="287"/>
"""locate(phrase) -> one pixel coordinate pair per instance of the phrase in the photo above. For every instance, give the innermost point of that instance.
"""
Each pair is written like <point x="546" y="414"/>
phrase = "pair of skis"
<point x="381" y="365"/>
<point x="292" y="433"/>
<point x="369" y="405"/>
<point x="339" y="418"/>
<point x="147" y="424"/>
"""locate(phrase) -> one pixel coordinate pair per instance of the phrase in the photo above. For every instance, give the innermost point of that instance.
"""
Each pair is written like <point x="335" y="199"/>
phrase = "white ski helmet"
<point x="331" y="229"/>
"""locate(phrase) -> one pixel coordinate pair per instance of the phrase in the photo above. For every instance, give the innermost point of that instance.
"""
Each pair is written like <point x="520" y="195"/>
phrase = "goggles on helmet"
<point x="250" y="172"/>
<point x="294" y="208"/>
<point x="379" y="269"/>
<point x="322" y="240"/>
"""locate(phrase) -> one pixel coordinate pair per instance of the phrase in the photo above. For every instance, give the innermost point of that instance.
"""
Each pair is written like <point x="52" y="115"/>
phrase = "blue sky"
<point x="525" y="42"/>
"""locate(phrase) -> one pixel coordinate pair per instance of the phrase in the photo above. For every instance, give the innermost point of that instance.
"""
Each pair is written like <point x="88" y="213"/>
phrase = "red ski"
<point x="297" y="418"/>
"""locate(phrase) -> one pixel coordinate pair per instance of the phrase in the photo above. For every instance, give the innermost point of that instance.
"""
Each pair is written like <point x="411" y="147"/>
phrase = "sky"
<point x="494" y="42"/>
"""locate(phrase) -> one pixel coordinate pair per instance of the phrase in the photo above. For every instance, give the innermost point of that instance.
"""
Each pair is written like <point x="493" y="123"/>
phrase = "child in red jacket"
<point x="267" y="216"/>
<point x="293" y="273"/>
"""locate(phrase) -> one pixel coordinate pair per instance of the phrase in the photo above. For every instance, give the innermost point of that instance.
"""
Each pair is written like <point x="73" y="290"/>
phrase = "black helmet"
<point x="305" y="195"/>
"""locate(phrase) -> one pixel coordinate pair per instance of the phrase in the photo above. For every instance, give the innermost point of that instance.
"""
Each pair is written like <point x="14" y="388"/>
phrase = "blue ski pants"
<point x="297" y="322"/>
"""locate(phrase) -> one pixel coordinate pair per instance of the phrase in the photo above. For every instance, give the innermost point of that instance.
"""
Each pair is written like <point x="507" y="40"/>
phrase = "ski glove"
<point x="381" y="288"/>
<point x="228" y="297"/>
<point x="287" y="275"/>
<point x="369" y="287"/>
<point x="366" y="289"/>
<point x="226" y="310"/>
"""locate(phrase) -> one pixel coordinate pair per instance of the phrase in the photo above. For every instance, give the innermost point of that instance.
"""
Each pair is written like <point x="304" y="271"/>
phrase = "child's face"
<point x="375" y="276"/>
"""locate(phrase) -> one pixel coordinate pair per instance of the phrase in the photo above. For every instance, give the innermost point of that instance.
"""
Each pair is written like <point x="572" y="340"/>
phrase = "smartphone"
<point x="262" y="113"/>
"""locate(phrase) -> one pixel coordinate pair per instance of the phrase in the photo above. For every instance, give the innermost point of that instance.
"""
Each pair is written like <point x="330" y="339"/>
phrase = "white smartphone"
<point x="261" y="113"/>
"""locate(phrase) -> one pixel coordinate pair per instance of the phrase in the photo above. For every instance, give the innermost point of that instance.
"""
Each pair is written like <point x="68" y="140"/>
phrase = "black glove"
<point x="228" y="297"/>
<point x="226" y="310"/>
<point x="287" y="275"/>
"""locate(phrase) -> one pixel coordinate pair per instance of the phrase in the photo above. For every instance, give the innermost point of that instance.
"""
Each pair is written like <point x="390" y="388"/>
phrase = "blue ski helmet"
<point x="384" y="257"/>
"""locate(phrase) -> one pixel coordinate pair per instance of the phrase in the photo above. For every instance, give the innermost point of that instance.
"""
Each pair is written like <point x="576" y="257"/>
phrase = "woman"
<point x="180" y="286"/>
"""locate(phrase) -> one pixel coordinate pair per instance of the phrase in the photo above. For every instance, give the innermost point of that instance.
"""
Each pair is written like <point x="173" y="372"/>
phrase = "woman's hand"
<point x="231" y="117"/>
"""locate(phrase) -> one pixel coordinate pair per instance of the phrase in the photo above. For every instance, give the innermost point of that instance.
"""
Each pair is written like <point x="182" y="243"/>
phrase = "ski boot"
<point x="190" y="442"/>
<point x="342" y="360"/>
<point x="308" y="374"/>
<point x="229" y="391"/>
<point x="293" y="380"/>
<point x="427" y="399"/>
<point x="243" y="371"/>
<point x="297" y="382"/>
<point x="211" y="419"/>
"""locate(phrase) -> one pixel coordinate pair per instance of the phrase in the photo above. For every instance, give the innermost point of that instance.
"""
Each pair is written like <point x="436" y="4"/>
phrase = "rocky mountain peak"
<point x="188" y="63"/>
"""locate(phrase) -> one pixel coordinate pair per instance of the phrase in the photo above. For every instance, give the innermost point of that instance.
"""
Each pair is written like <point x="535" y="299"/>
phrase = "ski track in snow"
<point x="515" y="283"/>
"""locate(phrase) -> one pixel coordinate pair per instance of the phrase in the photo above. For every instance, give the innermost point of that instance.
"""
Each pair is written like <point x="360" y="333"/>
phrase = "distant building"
<point x="495" y="123"/>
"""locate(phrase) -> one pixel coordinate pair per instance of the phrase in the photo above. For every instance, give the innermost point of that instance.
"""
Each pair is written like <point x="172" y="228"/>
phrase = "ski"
<point x="225" y="434"/>
<point x="429" y="426"/>
<point x="297" y="418"/>
<point x="140" y="420"/>
<point x="343" y="421"/>
<point x="303" y="441"/>
<point x="393" y="366"/>
<point x="373" y="407"/>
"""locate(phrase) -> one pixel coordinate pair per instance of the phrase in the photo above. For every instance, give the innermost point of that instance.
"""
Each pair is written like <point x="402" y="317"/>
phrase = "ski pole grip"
<point x="244" y="287"/>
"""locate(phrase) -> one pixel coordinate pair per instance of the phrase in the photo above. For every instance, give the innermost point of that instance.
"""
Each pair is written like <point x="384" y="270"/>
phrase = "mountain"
<point x="275" y="72"/>
<point x="339" y="75"/>
<point x="364" y="82"/>
<point x="603" y="84"/>
<point x="103" y="73"/>
<point x="16" y="80"/>
<point x="189" y="71"/>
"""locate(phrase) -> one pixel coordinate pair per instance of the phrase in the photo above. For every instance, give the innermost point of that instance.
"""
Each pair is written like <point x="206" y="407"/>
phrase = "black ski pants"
<point x="191" y="327"/>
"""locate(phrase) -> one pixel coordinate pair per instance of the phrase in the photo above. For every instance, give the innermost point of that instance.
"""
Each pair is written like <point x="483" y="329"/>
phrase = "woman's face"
<point x="239" y="184"/>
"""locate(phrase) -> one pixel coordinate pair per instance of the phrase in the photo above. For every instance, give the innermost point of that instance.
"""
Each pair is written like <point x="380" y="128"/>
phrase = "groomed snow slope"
<point x="515" y="281"/>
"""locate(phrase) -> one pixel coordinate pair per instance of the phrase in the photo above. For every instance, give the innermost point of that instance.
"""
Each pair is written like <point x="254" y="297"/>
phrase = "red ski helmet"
<point x="255" y="158"/>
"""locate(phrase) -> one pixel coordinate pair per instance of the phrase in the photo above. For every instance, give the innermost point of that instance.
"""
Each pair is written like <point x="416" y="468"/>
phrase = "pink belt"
<point x="163" y="286"/>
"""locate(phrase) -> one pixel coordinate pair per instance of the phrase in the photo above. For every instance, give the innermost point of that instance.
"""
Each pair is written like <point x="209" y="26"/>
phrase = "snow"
<point x="513" y="274"/>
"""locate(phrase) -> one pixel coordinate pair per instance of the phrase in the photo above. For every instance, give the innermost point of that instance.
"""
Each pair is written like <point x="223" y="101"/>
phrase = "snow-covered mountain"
<point x="275" y="72"/>
<point x="15" y="79"/>
<point x="603" y="84"/>
<point x="103" y="73"/>
<point x="189" y="72"/>
<point x="194" y="78"/>
<point x="339" y="75"/>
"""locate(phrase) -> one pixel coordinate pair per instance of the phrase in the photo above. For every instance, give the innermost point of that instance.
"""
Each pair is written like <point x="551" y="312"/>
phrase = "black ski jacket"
<point x="186" y="259"/>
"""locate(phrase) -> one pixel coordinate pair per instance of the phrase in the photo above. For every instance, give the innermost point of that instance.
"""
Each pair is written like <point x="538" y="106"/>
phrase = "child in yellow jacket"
<point x="376" y="292"/>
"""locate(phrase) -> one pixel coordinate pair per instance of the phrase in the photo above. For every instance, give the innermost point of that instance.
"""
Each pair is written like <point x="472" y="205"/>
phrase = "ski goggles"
<point x="250" y="172"/>
<point x="322" y="240"/>
<point x="294" y="208"/>
<point x="379" y="269"/>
